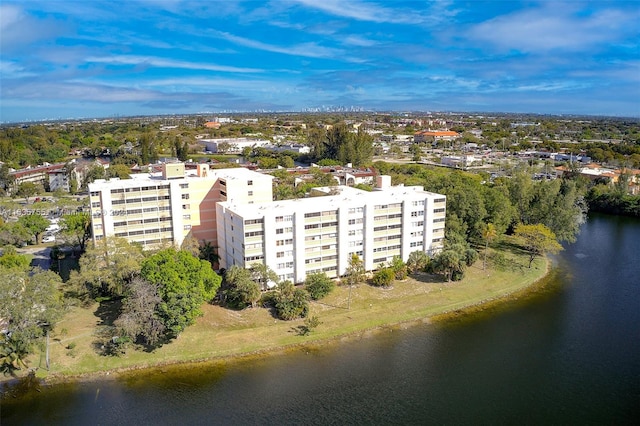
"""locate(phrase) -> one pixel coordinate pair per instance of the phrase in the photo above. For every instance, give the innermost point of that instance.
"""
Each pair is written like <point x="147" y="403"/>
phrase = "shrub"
<point x="291" y="302"/>
<point x="470" y="256"/>
<point x="318" y="285"/>
<point x="383" y="277"/>
<point x="400" y="270"/>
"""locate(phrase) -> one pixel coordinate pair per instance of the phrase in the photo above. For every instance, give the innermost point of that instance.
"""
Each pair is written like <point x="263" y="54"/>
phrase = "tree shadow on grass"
<point x="507" y="245"/>
<point x="108" y="311"/>
<point x="424" y="277"/>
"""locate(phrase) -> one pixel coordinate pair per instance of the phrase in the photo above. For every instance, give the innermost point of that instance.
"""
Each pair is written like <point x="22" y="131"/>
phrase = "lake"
<point x="567" y="354"/>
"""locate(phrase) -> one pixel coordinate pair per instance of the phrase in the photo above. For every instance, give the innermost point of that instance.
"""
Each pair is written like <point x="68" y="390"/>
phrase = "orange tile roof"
<point x="438" y="133"/>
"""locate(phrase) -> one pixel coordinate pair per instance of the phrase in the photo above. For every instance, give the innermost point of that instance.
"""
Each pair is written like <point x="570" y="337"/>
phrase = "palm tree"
<point x="488" y="233"/>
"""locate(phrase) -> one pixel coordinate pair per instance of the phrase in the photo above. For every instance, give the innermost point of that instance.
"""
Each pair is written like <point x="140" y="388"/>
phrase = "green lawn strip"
<point x="222" y="333"/>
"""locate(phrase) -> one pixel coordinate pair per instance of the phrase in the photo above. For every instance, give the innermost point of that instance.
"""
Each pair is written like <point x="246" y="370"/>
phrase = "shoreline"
<point x="472" y="308"/>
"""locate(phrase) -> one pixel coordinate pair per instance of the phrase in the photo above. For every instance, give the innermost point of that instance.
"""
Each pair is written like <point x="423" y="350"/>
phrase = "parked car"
<point x="49" y="239"/>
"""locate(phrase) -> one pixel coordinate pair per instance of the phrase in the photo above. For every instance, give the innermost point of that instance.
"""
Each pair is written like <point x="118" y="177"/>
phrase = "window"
<point x="186" y="206"/>
<point x="249" y="182"/>
<point x="250" y="193"/>
<point x="185" y="196"/>
<point x="438" y="210"/>
<point x="186" y="216"/>
<point x="316" y="214"/>
<point x="416" y="214"/>
<point x="252" y="221"/>
<point x="280" y="254"/>
<point x="187" y="227"/>
<point x="441" y="219"/>
<point x="280" y="231"/>
<point x="440" y="200"/>
<point x="184" y="185"/>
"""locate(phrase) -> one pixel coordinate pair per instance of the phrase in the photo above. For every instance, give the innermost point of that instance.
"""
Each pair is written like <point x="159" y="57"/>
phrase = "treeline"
<point x="125" y="142"/>
<point x="473" y="201"/>
<point x="341" y="144"/>
<point x="613" y="200"/>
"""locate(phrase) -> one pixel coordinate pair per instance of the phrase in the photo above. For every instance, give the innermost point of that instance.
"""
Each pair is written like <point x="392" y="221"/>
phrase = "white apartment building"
<point x="165" y="208"/>
<point x="320" y="233"/>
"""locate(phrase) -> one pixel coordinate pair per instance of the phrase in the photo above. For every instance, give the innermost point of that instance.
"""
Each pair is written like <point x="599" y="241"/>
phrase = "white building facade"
<point x="319" y="234"/>
<point x="164" y="209"/>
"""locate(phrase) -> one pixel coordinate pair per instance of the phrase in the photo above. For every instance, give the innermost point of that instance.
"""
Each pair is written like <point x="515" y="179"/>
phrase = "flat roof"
<point x="346" y="196"/>
<point x="155" y="178"/>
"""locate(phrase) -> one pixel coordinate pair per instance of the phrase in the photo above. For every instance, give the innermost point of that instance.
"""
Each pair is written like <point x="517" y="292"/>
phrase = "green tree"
<point x="35" y="224"/>
<point x="354" y="274"/>
<point x="30" y="305"/>
<point x="417" y="261"/>
<point x="11" y="259"/>
<point x="537" y="240"/>
<point x="318" y="285"/>
<point x="416" y="152"/>
<point x="77" y="228"/>
<point x="449" y="263"/>
<point x="399" y="268"/>
<point x="184" y="283"/>
<point x="107" y="267"/>
<point x="208" y="252"/>
<point x="488" y="233"/>
<point x="121" y="171"/>
<point x="26" y="190"/>
<point x="94" y="172"/>
<point x="263" y="275"/>
<point x="470" y="256"/>
<point x="240" y="290"/>
<point x="291" y="302"/>
<point x="14" y="233"/>
<point x="6" y="179"/>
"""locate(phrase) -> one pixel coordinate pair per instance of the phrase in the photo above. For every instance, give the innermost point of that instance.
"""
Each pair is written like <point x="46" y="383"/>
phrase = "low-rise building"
<point x="435" y="136"/>
<point x="231" y="145"/>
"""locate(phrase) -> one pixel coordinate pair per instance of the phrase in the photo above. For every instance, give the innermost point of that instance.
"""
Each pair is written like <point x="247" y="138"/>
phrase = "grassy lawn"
<point x="222" y="333"/>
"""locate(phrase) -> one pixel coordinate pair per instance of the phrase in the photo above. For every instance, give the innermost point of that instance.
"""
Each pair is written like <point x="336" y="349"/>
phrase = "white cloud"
<point x="166" y="63"/>
<point x="553" y="27"/>
<point x="431" y="13"/>
<point x="311" y="50"/>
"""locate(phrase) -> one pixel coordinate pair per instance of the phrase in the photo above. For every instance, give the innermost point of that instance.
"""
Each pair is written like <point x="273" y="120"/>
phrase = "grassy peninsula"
<point x="222" y="334"/>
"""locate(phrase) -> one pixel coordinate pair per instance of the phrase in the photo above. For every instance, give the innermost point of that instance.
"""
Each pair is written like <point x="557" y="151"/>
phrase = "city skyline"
<point x="67" y="59"/>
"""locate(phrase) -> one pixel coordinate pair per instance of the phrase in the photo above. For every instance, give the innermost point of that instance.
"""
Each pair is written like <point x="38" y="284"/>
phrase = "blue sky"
<point x="73" y="59"/>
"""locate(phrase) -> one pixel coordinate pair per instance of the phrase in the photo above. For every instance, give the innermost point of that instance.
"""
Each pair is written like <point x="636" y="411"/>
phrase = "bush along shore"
<point x="222" y="334"/>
